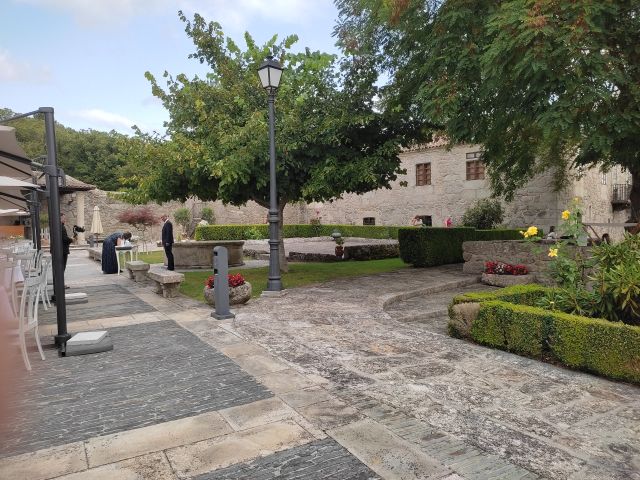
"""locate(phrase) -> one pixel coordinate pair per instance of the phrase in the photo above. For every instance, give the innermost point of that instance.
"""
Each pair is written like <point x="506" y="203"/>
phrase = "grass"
<point x="152" y="257"/>
<point x="299" y="274"/>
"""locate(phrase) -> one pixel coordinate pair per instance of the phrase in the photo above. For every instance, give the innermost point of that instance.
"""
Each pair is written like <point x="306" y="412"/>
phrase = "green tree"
<point x="91" y="156"/>
<point x="330" y="138"/>
<point x="486" y="213"/>
<point x="539" y="84"/>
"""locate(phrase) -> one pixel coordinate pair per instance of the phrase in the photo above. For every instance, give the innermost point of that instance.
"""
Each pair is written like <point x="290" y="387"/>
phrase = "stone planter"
<point x="237" y="295"/>
<point x="506" y="280"/>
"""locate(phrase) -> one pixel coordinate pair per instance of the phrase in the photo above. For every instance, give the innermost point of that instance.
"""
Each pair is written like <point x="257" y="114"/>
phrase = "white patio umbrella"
<point x="96" y="223"/>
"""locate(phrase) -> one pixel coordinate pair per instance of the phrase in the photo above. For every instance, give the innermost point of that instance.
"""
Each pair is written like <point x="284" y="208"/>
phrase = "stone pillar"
<point x="80" y="216"/>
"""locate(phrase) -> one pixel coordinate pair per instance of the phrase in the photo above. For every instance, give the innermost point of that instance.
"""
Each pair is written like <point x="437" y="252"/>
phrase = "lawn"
<point x="152" y="257"/>
<point x="299" y="274"/>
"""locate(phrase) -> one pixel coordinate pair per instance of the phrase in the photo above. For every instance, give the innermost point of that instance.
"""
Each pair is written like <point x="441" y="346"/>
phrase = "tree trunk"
<point x="284" y="265"/>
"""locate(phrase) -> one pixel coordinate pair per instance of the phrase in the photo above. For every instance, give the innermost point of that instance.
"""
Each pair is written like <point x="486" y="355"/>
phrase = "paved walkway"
<point x="351" y="379"/>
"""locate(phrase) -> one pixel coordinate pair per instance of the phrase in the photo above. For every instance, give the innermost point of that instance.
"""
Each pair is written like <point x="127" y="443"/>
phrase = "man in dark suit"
<point x="167" y="240"/>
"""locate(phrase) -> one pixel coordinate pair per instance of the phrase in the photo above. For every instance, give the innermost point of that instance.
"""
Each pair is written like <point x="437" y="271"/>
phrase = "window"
<point x="423" y="174"/>
<point x="475" y="167"/>
<point x="369" y="221"/>
<point x="426" y="220"/>
<point x="604" y="179"/>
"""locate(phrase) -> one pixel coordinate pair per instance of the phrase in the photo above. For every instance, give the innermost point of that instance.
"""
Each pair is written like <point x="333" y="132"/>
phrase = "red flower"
<point x="500" y="268"/>
<point x="234" y="281"/>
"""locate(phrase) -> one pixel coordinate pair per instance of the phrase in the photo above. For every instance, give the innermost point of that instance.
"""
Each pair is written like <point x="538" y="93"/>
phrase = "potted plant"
<point x="239" y="290"/>
<point x="337" y="237"/>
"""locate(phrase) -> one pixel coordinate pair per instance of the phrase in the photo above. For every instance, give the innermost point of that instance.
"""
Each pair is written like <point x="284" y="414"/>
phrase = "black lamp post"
<point x="270" y="72"/>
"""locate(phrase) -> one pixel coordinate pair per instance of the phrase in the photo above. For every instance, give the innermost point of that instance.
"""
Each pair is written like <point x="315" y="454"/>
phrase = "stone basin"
<point x="199" y="254"/>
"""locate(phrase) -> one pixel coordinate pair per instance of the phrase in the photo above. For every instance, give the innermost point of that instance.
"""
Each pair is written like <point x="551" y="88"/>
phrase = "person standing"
<point x="167" y="240"/>
<point x="66" y="240"/>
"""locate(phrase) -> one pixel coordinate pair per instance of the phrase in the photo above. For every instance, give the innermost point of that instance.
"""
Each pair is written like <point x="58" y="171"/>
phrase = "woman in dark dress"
<point x="109" y="260"/>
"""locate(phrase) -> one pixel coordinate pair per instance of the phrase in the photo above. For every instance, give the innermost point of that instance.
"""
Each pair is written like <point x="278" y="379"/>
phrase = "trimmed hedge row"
<point x="607" y="348"/>
<point x="428" y="247"/>
<point x="520" y="294"/>
<point x="246" y="232"/>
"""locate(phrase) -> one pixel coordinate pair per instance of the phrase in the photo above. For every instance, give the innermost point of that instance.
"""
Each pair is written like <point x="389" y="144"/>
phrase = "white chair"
<point x="28" y="316"/>
<point x="43" y="293"/>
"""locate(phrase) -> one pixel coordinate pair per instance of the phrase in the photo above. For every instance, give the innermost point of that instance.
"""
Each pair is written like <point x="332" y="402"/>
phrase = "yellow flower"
<point x="524" y="234"/>
<point x="553" y="252"/>
<point x="565" y="214"/>
<point x="532" y="232"/>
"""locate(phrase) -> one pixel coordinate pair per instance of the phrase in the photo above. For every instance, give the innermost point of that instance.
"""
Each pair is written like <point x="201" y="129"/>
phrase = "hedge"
<point x="520" y="294"/>
<point x="428" y="247"/>
<point x="610" y="349"/>
<point x="245" y="232"/>
<point x="517" y="330"/>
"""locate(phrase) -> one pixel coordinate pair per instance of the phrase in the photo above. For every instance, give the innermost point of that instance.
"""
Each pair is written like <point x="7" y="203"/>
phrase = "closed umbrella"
<point x="96" y="223"/>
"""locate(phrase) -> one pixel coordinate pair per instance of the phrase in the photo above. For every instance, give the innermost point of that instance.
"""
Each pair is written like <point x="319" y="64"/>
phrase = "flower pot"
<point x="339" y="251"/>
<point x="237" y="295"/>
<point x="506" y="280"/>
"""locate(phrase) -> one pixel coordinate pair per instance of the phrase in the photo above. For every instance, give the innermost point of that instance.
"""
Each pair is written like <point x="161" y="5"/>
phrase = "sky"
<point x="87" y="58"/>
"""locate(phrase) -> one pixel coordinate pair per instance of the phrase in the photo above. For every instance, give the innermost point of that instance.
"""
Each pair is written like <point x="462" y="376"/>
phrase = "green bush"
<point x="182" y="217"/>
<point x="520" y="294"/>
<point x="514" y="328"/>
<point x="596" y="345"/>
<point x="244" y="232"/>
<point x="484" y="214"/>
<point x="428" y="247"/>
<point x="208" y="215"/>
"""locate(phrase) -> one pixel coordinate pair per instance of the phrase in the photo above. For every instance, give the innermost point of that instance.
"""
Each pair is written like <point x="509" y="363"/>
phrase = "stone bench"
<point x="166" y="282"/>
<point x="137" y="270"/>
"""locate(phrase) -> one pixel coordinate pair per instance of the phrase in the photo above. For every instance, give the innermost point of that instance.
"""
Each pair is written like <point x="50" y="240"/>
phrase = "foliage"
<point x="182" y="217"/>
<point x="520" y="294"/>
<point x="141" y="218"/>
<point x="208" y="215"/>
<point x="91" y="156"/>
<point x="484" y="214"/>
<point x="539" y="84"/>
<point x="371" y="252"/>
<point x="607" y="285"/>
<point x="246" y="232"/>
<point x="501" y="268"/>
<point x="426" y="247"/>
<point x="235" y="280"/>
<point x="595" y="345"/>
<point x="330" y="137"/>
<point x="502" y="326"/>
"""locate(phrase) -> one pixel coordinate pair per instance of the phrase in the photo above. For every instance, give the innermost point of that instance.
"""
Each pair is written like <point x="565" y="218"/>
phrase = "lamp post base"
<point x="61" y="339"/>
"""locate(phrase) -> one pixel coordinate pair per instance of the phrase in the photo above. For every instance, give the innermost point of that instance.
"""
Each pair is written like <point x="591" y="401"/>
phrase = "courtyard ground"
<point x="351" y="379"/>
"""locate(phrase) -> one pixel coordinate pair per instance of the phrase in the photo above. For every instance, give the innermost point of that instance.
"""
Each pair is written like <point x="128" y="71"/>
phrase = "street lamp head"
<point x="270" y="72"/>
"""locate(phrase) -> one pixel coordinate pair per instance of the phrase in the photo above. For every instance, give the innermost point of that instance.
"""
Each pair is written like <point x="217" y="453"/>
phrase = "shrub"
<point x="514" y="328"/>
<point x="370" y="252"/>
<point x="499" y="234"/>
<point x="207" y="214"/>
<point x="427" y="247"/>
<point x="484" y="214"/>
<point x="240" y="232"/>
<point x="520" y="294"/>
<point x="182" y="217"/>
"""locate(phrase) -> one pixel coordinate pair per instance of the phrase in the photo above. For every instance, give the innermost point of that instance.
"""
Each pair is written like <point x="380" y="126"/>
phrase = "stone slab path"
<point x="346" y="380"/>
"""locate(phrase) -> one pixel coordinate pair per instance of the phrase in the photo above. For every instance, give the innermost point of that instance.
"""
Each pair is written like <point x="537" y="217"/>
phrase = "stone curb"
<point x="388" y="300"/>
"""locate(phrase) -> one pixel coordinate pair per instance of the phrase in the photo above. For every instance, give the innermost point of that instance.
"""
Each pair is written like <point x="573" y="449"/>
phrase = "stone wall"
<point x="533" y="255"/>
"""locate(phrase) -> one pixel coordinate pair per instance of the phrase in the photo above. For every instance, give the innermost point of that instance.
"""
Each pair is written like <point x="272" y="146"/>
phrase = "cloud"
<point x="233" y="14"/>
<point x="12" y="70"/>
<point x="102" y="118"/>
<point x="96" y="12"/>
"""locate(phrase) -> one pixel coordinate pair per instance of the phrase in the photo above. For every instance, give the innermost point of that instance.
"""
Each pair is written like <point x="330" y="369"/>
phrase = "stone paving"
<point x="354" y="379"/>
